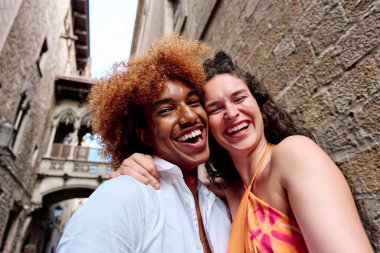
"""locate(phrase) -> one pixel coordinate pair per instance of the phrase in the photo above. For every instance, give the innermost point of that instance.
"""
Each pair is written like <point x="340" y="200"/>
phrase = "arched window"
<point x="64" y="135"/>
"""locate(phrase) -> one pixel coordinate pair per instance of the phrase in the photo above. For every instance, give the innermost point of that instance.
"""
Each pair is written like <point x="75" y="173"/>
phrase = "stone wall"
<point x="36" y="21"/>
<point x="321" y="61"/>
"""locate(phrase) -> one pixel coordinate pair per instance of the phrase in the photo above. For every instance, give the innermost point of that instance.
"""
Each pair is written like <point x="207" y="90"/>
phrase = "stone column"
<point x="51" y="140"/>
<point x="74" y="140"/>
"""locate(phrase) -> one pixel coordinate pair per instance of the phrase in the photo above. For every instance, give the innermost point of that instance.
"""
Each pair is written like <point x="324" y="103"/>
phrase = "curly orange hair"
<point x="117" y="101"/>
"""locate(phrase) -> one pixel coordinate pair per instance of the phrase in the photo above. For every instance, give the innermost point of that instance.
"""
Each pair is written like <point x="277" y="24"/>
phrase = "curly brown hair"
<point x="278" y="123"/>
<point x="117" y="101"/>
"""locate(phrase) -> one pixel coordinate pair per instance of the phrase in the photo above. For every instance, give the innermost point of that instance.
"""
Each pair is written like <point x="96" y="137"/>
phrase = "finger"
<point x="144" y="177"/>
<point x="113" y="174"/>
<point x="206" y="182"/>
<point x="148" y="163"/>
<point x="139" y="177"/>
<point x="143" y="173"/>
<point x="143" y="165"/>
<point x="153" y="182"/>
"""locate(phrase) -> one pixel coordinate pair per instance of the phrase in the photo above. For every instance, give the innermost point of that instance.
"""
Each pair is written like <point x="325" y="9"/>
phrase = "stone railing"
<point x="55" y="166"/>
<point x="65" y="171"/>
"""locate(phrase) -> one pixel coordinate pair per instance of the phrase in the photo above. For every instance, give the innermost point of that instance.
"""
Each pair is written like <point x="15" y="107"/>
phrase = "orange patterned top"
<point x="258" y="227"/>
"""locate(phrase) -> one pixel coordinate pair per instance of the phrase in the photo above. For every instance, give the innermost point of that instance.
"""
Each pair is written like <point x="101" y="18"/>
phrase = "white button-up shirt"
<point x="123" y="215"/>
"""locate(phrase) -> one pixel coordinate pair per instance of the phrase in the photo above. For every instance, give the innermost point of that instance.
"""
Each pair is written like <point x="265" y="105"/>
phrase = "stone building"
<point x="320" y="59"/>
<point x="45" y="136"/>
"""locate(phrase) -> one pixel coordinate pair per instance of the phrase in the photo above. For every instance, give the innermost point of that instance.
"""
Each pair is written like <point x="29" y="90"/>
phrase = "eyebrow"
<point x="159" y="102"/>
<point x="216" y="102"/>
<point x="192" y="93"/>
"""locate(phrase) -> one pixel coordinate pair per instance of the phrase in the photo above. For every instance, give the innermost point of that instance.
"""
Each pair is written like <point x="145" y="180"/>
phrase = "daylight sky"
<point x="111" y="31"/>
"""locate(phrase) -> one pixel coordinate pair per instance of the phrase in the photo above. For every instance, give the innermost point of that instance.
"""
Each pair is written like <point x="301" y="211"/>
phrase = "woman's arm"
<point x="319" y="197"/>
<point x="141" y="167"/>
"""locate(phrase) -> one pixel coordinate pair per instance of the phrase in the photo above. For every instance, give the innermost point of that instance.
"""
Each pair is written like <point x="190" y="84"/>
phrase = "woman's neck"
<point x="247" y="163"/>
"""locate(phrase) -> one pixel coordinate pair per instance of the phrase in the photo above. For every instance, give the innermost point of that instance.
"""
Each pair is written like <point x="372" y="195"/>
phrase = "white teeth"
<point x="192" y="134"/>
<point x="237" y="128"/>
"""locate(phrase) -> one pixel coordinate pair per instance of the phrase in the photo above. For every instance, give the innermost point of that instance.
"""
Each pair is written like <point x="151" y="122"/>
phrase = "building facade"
<point x="320" y="59"/>
<point x="45" y="135"/>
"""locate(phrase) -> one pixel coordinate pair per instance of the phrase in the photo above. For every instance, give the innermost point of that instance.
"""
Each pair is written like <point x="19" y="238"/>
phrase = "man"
<point x="153" y="107"/>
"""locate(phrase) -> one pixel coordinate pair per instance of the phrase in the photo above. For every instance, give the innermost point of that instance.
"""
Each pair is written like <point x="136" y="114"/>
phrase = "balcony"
<point x="81" y="153"/>
<point x="85" y="162"/>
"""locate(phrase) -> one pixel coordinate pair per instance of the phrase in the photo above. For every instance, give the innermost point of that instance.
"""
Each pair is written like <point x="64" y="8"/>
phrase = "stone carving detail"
<point x="87" y="120"/>
<point x="67" y="117"/>
<point x="57" y="166"/>
<point x="86" y="167"/>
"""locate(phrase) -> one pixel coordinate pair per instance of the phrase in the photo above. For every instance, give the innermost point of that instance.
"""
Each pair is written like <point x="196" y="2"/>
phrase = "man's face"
<point x="177" y="126"/>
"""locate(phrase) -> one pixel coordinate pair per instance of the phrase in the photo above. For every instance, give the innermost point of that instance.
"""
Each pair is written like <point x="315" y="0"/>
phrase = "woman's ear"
<point x="144" y="136"/>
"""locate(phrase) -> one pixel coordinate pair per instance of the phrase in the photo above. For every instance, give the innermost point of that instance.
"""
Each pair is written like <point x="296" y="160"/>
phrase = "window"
<point x="179" y="14"/>
<point x="22" y="110"/>
<point x="35" y="156"/>
<point x="42" y="57"/>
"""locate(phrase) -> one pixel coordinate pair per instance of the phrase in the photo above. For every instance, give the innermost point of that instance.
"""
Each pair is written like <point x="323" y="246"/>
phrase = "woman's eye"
<point x="240" y="99"/>
<point x="213" y="111"/>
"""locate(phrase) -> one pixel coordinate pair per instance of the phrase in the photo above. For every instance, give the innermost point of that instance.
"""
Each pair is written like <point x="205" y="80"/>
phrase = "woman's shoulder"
<point x="294" y="145"/>
<point x="301" y="156"/>
<point x="298" y="154"/>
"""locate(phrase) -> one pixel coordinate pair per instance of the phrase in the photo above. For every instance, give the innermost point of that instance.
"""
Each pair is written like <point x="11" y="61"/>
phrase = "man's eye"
<point x="194" y="101"/>
<point x="164" y="110"/>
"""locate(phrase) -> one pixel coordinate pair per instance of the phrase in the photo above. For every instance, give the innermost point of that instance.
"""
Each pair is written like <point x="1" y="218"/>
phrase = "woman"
<point x="296" y="199"/>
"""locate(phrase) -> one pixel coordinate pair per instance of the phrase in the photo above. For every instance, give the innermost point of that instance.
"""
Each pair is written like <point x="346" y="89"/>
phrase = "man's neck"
<point x="191" y="180"/>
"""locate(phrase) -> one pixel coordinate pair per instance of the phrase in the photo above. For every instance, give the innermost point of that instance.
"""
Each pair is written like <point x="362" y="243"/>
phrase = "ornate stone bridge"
<point x="63" y="178"/>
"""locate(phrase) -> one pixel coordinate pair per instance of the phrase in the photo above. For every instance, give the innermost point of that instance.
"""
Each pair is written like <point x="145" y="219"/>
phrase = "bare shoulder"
<point x="301" y="156"/>
<point x="316" y="191"/>
<point x="295" y="143"/>
<point x="296" y="148"/>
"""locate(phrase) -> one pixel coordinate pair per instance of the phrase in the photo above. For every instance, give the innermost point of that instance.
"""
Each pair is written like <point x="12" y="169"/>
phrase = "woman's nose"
<point x="231" y="112"/>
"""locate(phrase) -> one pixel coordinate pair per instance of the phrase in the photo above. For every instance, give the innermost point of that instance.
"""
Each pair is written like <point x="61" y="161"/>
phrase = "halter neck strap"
<point x="260" y="163"/>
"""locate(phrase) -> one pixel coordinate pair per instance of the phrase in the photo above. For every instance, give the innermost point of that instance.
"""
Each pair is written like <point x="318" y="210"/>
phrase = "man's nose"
<point x="187" y="115"/>
<point x="231" y="112"/>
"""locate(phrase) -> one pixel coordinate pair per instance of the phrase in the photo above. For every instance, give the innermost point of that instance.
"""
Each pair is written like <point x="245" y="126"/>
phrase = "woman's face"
<point x="235" y="119"/>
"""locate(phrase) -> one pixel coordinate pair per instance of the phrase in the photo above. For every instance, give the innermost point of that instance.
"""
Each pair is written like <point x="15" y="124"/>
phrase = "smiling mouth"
<point x="235" y="129"/>
<point x="191" y="137"/>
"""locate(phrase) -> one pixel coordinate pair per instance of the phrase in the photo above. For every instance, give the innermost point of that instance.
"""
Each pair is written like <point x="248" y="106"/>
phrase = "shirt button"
<point x="199" y="245"/>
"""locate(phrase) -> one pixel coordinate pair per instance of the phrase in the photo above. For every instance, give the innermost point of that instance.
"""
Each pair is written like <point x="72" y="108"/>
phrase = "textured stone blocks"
<point x="321" y="61"/>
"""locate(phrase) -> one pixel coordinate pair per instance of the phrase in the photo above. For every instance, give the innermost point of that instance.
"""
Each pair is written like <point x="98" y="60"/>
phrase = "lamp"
<point x="6" y="132"/>
<point x="57" y="212"/>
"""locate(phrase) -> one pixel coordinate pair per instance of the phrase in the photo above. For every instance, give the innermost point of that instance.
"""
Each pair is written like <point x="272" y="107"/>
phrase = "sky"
<point x="111" y="32"/>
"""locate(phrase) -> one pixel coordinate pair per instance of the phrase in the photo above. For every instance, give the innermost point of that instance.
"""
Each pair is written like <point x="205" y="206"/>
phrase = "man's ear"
<point x="144" y="136"/>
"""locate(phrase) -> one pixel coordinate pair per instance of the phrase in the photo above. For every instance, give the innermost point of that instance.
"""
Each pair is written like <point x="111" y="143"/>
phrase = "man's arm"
<point x="111" y="220"/>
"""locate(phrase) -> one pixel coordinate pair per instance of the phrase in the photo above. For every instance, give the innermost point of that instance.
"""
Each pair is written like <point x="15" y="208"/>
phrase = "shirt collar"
<point x="164" y="166"/>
